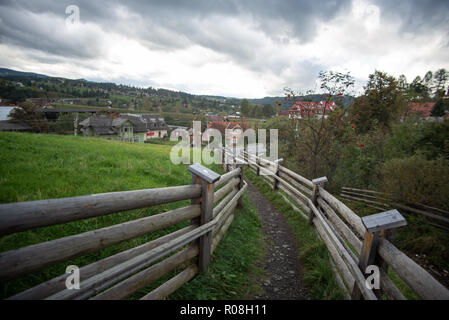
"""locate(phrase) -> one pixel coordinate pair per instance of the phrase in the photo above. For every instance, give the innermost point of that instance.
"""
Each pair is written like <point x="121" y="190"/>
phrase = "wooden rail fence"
<point x="353" y="242"/>
<point x="211" y="212"/>
<point x="381" y="201"/>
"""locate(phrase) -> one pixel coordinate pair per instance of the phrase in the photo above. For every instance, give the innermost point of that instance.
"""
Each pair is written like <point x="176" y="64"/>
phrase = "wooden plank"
<point x="219" y="194"/>
<point x="16" y="217"/>
<point x="24" y="260"/>
<point x="418" y="279"/>
<point x="339" y="280"/>
<point x="343" y="269"/>
<point x="424" y="213"/>
<point x="173" y="284"/>
<point x="301" y="203"/>
<point x="221" y="232"/>
<point x="340" y="226"/>
<point x="54" y="285"/>
<point x="204" y="173"/>
<point x="226" y="177"/>
<point x="367" y="257"/>
<point x="138" y="281"/>
<point x="384" y="205"/>
<point x="296" y="176"/>
<point x="117" y="273"/>
<point x="295" y="183"/>
<point x="367" y="204"/>
<point x="354" y="220"/>
<point x="293" y="206"/>
<point x="207" y="207"/>
<point x="224" y="202"/>
<point x="383" y="221"/>
<point x="362" y="190"/>
<point x="353" y="268"/>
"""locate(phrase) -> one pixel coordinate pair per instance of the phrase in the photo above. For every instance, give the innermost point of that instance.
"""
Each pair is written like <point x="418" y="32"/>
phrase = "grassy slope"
<point x="319" y="277"/>
<point x="34" y="167"/>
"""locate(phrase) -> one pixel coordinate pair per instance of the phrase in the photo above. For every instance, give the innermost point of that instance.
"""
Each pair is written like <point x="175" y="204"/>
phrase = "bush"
<point x="416" y="179"/>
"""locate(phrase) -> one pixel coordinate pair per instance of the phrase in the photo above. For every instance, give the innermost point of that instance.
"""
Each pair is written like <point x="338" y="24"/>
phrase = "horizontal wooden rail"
<point x="16" y="217"/>
<point x="226" y="177"/>
<point x="57" y="284"/>
<point x="425" y="286"/>
<point x="35" y="257"/>
<point x="140" y="280"/>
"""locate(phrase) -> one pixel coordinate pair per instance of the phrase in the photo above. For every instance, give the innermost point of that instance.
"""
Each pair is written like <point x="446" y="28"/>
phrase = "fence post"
<point x="317" y="183"/>
<point x="276" y="181"/>
<point x="375" y="225"/>
<point x="207" y="178"/>
<point x="241" y="164"/>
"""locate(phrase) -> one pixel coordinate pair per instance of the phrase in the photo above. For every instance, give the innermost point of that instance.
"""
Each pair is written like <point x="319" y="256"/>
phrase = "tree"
<point x="439" y="110"/>
<point x="245" y="107"/>
<point x="268" y="110"/>
<point x="314" y="133"/>
<point x="441" y="78"/>
<point x="27" y="113"/>
<point x="381" y="104"/>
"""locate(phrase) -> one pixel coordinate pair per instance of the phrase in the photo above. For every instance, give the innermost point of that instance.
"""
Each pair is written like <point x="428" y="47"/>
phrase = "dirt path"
<point x="281" y="264"/>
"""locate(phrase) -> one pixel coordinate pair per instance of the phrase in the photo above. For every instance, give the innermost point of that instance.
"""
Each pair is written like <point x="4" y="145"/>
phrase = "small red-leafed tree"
<point x="319" y="124"/>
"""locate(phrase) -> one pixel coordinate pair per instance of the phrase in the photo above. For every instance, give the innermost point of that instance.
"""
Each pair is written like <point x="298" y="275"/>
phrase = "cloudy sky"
<point x="239" y="48"/>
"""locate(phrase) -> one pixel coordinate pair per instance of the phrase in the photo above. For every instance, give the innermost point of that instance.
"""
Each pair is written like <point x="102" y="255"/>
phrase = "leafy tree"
<point x="245" y="107"/>
<point x="440" y="108"/>
<point x="441" y="78"/>
<point x="268" y="110"/>
<point x="381" y="104"/>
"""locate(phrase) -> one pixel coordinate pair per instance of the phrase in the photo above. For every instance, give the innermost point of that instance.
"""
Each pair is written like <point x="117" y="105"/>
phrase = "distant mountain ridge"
<point x="13" y="73"/>
<point x="20" y="75"/>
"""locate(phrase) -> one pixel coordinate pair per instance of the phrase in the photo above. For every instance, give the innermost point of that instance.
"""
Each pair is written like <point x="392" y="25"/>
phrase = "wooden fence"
<point x="213" y="199"/>
<point x="381" y="201"/>
<point x="353" y="243"/>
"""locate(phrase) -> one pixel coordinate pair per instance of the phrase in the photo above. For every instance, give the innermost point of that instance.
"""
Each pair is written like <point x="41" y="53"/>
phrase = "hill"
<point x="12" y="73"/>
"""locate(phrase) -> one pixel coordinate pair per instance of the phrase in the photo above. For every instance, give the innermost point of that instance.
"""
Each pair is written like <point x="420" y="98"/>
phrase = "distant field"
<point x="35" y="167"/>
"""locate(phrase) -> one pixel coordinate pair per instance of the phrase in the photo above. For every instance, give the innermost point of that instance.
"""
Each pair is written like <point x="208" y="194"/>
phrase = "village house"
<point x="424" y="111"/>
<point x="137" y="127"/>
<point x="310" y="109"/>
<point x="235" y="130"/>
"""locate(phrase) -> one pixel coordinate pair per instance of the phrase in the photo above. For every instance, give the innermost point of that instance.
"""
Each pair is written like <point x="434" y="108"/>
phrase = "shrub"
<point x="416" y="179"/>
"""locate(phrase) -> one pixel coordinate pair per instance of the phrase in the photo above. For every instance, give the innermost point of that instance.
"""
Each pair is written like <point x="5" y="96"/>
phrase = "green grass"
<point x="313" y="254"/>
<point x="35" y="167"/>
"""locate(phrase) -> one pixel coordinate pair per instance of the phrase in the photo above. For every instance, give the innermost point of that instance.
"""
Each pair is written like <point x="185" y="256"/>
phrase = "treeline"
<point x="251" y="110"/>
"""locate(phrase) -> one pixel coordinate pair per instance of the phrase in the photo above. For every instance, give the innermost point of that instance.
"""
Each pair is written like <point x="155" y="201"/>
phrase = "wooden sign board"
<point x="384" y="220"/>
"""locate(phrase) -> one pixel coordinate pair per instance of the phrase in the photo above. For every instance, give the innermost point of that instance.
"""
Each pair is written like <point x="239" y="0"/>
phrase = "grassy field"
<point x="35" y="167"/>
<point x="319" y="277"/>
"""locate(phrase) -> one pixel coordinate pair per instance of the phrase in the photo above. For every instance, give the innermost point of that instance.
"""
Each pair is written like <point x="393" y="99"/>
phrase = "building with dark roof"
<point x="138" y="127"/>
<point x="7" y="125"/>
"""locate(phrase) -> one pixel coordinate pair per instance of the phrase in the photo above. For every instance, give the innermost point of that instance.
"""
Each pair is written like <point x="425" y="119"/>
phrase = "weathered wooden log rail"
<point x="353" y="242"/>
<point x="120" y="275"/>
<point x="379" y="200"/>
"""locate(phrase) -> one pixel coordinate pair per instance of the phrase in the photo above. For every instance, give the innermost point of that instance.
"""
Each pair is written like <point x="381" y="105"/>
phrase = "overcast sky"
<point x="242" y="48"/>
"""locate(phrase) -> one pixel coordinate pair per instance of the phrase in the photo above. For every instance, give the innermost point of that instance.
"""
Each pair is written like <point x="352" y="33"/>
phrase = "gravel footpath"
<point x="281" y="266"/>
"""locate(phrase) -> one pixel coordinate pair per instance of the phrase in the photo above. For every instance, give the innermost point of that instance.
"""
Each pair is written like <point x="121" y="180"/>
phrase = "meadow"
<point x="36" y="167"/>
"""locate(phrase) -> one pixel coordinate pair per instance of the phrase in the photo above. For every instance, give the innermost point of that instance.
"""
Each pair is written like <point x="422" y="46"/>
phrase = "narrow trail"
<point x="282" y="267"/>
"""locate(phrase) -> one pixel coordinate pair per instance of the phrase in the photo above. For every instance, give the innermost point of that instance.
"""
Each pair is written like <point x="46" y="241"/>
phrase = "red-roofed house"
<point x="309" y="109"/>
<point x="236" y="130"/>
<point x="283" y="113"/>
<point x="422" y="109"/>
